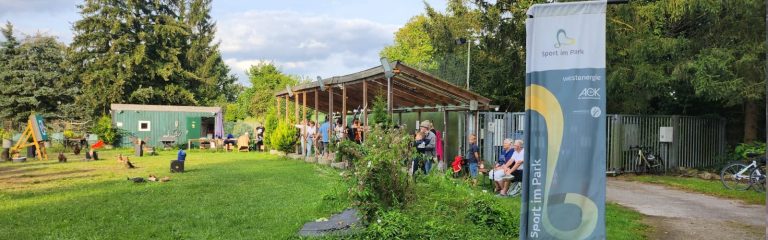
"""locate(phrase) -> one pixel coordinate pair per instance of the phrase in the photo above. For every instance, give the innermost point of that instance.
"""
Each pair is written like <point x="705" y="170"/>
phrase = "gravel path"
<point x="676" y="214"/>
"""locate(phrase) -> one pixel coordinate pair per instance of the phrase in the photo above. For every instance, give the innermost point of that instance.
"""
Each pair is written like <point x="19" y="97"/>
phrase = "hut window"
<point x="145" y="126"/>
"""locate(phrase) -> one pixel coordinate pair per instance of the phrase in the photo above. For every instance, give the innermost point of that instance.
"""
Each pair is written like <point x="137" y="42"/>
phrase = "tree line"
<point x="678" y="57"/>
<point x="142" y="52"/>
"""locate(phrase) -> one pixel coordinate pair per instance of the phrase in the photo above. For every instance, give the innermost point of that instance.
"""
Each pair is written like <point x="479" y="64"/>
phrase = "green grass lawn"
<point x="235" y="196"/>
<point x="710" y="187"/>
<point x="222" y="196"/>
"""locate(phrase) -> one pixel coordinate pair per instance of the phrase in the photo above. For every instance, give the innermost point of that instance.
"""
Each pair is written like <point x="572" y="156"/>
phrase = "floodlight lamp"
<point x="387" y="68"/>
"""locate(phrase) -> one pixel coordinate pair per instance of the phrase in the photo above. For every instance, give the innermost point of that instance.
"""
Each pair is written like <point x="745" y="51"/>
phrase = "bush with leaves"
<point x="379" y="114"/>
<point x="482" y="212"/>
<point x="745" y="148"/>
<point x="106" y="131"/>
<point x="5" y="134"/>
<point x="348" y="150"/>
<point x="283" y="138"/>
<point x="381" y="184"/>
<point x="270" y="124"/>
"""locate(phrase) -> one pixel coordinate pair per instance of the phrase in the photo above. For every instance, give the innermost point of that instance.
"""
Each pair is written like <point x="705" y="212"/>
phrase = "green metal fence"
<point x="688" y="141"/>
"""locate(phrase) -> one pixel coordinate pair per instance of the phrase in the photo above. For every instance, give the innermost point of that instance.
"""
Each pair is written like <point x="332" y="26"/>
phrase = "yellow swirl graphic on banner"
<point x="546" y="104"/>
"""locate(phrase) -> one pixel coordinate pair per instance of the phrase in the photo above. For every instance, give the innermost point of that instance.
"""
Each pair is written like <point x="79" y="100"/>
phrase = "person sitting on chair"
<point x="516" y="171"/>
<point x="229" y="141"/>
<point x="502" y="168"/>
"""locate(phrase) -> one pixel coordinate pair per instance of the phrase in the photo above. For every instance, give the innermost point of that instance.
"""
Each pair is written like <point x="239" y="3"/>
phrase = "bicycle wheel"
<point x="757" y="180"/>
<point x="657" y="167"/>
<point x="641" y="168"/>
<point x="514" y="189"/>
<point x="732" y="180"/>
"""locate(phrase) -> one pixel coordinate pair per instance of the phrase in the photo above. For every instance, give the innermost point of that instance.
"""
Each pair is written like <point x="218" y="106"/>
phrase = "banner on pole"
<point x="564" y="187"/>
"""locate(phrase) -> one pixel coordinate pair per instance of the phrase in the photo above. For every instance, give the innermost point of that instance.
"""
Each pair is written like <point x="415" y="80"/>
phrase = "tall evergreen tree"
<point x="204" y="58"/>
<point x="32" y="77"/>
<point x="148" y="52"/>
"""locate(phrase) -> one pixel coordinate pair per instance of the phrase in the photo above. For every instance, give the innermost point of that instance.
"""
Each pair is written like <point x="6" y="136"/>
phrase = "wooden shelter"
<point x="412" y="91"/>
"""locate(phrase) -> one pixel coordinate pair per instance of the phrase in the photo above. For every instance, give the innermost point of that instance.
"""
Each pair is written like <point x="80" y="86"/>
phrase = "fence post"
<point x="616" y="137"/>
<point x="675" y="146"/>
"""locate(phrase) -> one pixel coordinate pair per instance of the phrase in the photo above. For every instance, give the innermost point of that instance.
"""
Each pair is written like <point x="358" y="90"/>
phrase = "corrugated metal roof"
<point x="164" y="108"/>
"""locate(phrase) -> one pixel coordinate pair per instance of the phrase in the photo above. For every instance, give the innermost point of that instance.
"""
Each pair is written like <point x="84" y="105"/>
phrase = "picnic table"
<point x="168" y="141"/>
<point x="201" y="141"/>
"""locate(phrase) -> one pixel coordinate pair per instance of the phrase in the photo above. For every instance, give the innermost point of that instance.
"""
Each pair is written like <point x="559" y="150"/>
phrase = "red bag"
<point x="97" y="145"/>
<point x="457" y="162"/>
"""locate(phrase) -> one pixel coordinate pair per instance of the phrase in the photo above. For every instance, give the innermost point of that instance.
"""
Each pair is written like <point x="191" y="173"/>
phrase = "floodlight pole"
<point x="389" y="95"/>
<point x="388" y="73"/>
<point x="469" y="51"/>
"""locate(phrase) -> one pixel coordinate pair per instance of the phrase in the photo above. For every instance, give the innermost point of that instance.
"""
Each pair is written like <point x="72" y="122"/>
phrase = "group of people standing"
<point x="316" y="140"/>
<point x="429" y="145"/>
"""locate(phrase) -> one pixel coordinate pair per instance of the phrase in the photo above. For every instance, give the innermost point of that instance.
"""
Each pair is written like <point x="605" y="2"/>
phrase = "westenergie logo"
<point x="563" y="39"/>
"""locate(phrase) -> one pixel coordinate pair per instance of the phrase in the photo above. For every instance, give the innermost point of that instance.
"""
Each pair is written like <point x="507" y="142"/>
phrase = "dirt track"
<point x="676" y="214"/>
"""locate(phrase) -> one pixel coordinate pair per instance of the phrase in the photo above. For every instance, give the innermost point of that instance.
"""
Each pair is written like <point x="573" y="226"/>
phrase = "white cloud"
<point x="36" y="6"/>
<point x="300" y="44"/>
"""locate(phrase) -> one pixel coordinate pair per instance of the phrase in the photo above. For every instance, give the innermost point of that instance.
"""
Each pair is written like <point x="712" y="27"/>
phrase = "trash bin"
<point x="31" y="152"/>
<point x="138" y="149"/>
<point x="5" y="155"/>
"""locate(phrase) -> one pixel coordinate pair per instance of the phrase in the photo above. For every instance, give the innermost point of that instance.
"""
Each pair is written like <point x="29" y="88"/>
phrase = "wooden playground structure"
<point x="36" y="133"/>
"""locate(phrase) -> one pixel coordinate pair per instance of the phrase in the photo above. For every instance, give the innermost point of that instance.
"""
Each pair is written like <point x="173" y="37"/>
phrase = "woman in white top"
<point x="311" y="135"/>
<point x="339" y="130"/>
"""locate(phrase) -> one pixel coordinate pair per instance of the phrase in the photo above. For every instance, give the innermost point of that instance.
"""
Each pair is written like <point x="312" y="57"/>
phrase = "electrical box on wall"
<point x="665" y="134"/>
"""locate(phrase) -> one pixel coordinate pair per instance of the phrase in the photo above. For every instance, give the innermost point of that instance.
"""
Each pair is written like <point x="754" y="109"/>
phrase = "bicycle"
<point x="647" y="161"/>
<point x="734" y="176"/>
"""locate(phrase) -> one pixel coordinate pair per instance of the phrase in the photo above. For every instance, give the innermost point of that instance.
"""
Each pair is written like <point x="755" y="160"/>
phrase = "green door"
<point x="193" y="127"/>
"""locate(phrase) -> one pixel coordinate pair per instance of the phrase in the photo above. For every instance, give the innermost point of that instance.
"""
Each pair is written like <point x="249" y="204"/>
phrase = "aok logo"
<point x="590" y="93"/>
<point x="563" y="39"/>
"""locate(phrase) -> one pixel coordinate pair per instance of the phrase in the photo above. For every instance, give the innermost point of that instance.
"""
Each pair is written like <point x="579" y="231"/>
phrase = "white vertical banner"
<point x="564" y="178"/>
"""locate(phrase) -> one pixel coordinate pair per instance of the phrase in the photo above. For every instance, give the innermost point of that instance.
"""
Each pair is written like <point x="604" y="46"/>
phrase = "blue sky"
<point x="303" y="37"/>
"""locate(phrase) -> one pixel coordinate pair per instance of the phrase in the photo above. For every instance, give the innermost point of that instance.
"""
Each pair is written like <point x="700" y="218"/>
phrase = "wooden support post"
<point x="296" y="107"/>
<point x="330" y="102"/>
<point x="304" y="110"/>
<point x="344" y="104"/>
<point x="445" y="135"/>
<point x="276" y="110"/>
<point x="365" y="107"/>
<point x="317" y="109"/>
<point x="287" y="102"/>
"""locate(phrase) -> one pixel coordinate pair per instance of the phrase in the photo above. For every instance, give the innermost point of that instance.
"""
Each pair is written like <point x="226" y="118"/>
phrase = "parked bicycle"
<point x="740" y="176"/>
<point x="648" y="162"/>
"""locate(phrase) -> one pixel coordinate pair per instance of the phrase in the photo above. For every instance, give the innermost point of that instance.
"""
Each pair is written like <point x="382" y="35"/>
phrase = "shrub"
<point x="270" y="124"/>
<point x="69" y="134"/>
<point x="392" y="225"/>
<point x="283" y="138"/>
<point x="744" y="148"/>
<point x="379" y="113"/>
<point x="241" y="128"/>
<point x="482" y="212"/>
<point x="381" y="185"/>
<point x="106" y="132"/>
<point x="348" y="150"/>
<point x="5" y="134"/>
